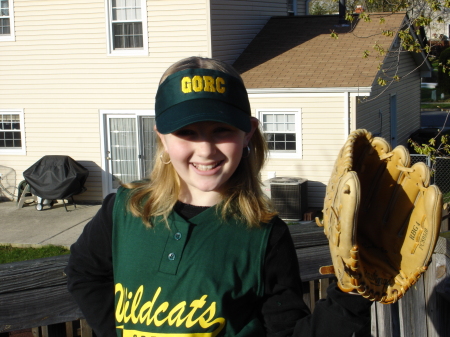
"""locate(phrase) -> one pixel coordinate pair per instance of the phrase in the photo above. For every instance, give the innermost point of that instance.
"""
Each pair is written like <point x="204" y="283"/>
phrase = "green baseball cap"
<point x="197" y="95"/>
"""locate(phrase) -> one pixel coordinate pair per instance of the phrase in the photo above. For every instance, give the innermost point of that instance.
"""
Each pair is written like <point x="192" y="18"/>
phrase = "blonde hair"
<point x="243" y="197"/>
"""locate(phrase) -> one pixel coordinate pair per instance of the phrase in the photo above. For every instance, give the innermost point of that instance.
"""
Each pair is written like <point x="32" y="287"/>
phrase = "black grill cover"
<point x="56" y="177"/>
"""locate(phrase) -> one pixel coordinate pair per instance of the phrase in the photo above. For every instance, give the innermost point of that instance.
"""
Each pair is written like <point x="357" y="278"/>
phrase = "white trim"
<point x="302" y="92"/>
<point x="103" y="138"/>
<point x="126" y="52"/>
<point x="298" y="131"/>
<point x="16" y="151"/>
<point x="12" y="36"/>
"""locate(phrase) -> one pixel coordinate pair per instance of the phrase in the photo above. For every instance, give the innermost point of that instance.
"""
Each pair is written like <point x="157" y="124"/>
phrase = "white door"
<point x="122" y="150"/>
<point x="130" y="143"/>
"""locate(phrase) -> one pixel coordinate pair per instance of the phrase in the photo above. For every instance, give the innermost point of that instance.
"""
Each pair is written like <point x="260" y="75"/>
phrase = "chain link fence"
<point x="441" y="175"/>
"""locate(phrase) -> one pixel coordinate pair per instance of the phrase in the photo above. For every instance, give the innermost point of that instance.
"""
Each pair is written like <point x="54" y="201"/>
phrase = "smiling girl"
<point x="197" y="250"/>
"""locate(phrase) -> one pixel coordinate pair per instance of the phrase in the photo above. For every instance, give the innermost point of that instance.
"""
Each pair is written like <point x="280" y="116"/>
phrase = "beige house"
<point x="79" y="79"/>
<point x="310" y="90"/>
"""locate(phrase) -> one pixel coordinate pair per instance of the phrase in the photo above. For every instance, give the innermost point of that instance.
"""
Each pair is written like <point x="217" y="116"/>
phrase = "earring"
<point x="248" y="152"/>
<point x="162" y="160"/>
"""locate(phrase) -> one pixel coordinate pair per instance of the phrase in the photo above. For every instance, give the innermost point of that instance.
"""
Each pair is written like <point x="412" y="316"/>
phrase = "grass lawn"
<point x="10" y="254"/>
<point x="435" y="105"/>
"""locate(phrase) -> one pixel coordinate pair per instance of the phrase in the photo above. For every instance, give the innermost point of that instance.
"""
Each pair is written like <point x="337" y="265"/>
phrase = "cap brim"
<point x="201" y="110"/>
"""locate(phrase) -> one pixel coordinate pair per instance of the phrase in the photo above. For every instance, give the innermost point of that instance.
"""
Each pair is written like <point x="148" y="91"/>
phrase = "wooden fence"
<point x="33" y="294"/>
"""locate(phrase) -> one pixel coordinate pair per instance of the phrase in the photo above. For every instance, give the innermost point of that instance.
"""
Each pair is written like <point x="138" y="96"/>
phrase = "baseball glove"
<point x="381" y="218"/>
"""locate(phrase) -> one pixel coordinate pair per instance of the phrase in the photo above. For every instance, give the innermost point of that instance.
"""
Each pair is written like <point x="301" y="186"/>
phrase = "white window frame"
<point x="298" y="132"/>
<point x="109" y="33"/>
<point x="21" y="150"/>
<point x="12" y="35"/>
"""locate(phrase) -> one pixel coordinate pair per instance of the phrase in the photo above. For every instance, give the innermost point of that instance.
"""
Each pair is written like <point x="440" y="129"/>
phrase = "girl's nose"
<point x="206" y="147"/>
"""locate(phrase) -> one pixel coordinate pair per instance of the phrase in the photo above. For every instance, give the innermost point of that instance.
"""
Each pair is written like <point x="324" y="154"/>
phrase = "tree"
<point x="323" y="7"/>
<point x="415" y="34"/>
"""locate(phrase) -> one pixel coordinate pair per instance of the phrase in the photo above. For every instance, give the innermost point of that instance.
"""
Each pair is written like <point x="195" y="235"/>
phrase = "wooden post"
<point x="44" y="331"/>
<point x="323" y="285"/>
<point x="437" y="309"/>
<point x="412" y="309"/>
<point x="69" y="329"/>
<point x="312" y="294"/>
<point x="383" y="326"/>
<point x="86" y="330"/>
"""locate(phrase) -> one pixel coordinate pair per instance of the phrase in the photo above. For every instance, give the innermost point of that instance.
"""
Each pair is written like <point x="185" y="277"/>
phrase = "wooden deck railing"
<point x="33" y="294"/>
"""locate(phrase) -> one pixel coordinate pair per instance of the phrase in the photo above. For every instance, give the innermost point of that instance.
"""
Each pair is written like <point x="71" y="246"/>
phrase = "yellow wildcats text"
<point x="202" y="83"/>
<point x="129" y="307"/>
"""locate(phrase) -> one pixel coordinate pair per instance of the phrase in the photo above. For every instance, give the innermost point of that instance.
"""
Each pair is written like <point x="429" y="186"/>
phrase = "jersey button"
<point x="171" y="256"/>
<point x="177" y="236"/>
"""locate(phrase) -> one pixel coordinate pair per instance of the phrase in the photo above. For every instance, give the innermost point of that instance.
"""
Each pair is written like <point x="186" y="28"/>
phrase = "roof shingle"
<point x="298" y="52"/>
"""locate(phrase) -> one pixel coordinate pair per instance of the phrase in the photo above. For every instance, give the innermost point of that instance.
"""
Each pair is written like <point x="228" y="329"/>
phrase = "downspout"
<point x="347" y="114"/>
<point x="342" y="9"/>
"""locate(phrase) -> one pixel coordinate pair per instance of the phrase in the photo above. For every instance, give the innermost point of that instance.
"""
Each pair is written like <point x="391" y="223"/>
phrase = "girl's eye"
<point x="184" y="133"/>
<point x="222" y="130"/>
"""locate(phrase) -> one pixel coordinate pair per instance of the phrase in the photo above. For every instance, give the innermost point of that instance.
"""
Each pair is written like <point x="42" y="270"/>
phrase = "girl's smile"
<point x="205" y="155"/>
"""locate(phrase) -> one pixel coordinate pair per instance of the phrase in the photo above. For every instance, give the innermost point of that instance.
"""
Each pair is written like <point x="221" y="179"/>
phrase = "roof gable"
<point x="298" y="52"/>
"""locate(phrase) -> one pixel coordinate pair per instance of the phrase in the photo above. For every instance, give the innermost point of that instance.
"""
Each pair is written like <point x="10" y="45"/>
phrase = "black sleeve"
<point x="284" y="311"/>
<point x="90" y="271"/>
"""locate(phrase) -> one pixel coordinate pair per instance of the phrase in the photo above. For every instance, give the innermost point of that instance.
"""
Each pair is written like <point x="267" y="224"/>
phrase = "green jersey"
<point x="199" y="277"/>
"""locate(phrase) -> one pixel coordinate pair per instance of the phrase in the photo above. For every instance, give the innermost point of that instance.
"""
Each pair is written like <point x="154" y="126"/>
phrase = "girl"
<point x="197" y="249"/>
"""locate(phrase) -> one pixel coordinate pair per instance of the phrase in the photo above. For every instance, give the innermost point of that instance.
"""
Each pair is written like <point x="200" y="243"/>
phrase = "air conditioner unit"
<point x="288" y="195"/>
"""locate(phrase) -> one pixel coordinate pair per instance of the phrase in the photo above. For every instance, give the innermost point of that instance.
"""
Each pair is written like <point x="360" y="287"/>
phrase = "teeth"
<point x="205" y="167"/>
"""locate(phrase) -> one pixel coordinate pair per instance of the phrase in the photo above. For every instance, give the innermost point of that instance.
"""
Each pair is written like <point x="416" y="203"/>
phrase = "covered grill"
<point x="56" y="177"/>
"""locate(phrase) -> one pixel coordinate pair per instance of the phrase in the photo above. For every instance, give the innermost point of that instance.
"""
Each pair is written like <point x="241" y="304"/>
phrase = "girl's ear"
<point x="254" y="123"/>
<point x="161" y="137"/>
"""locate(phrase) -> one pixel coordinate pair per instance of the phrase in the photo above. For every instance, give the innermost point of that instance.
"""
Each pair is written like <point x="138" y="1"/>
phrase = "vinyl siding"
<point x="302" y="6"/>
<point x="59" y="72"/>
<point x="234" y="23"/>
<point x="322" y="138"/>
<point x="373" y="113"/>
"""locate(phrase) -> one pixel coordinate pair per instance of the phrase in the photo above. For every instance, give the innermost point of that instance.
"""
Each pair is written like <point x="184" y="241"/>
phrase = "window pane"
<point x="268" y="127"/>
<point x="281" y="127"/>
<point x="283" y="136"/>
<point x="290" y="127"/>
<point x="137" y="29"/>
<point x="290" y="146"/>
<point x="4" y="5"/>
<point x="5" y="27"/>
<point x="10" y="137"/>
<point x="118" y="29"/>
<point x="280" y="118"/>
<point x="290" y="137"/>
<point x="269" y="136"/>
<point x="268" y="119"/>
<point x="128" y="35"/>
<point x="279" y="146"/>
<point x="138" y="41"/>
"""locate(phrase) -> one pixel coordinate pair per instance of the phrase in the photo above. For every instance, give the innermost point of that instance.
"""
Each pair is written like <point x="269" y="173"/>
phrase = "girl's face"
<point x="205" y="155"/>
